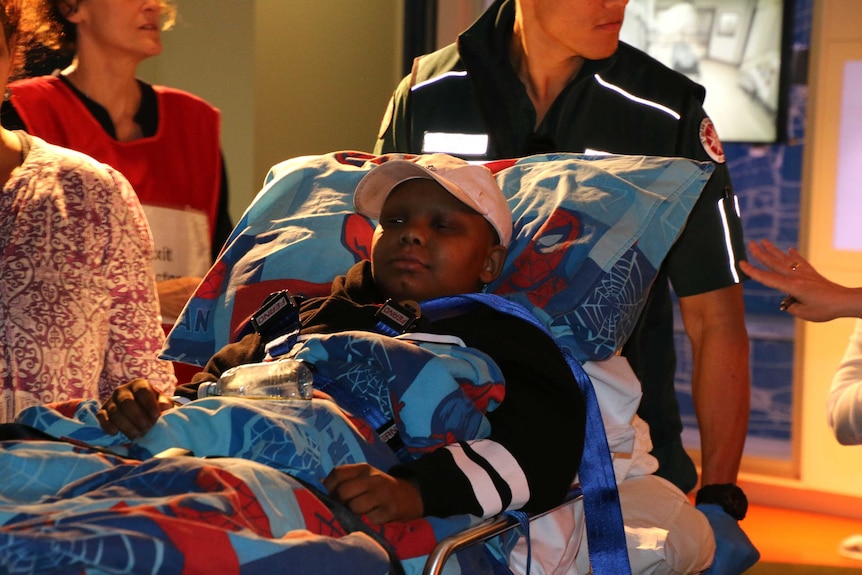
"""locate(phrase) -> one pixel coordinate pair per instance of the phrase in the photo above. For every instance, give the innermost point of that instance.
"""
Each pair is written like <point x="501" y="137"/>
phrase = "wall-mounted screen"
<point x="737" y="49"/>
<point x="848" y="199"/>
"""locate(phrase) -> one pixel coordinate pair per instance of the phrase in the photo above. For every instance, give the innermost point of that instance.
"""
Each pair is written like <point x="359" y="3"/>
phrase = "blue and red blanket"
<point x="250" y="500"/>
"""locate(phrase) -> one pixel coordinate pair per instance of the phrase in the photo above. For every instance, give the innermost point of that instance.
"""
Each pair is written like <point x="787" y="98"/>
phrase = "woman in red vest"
<point x="78" y="308"/>
<point x="165" y="141"/>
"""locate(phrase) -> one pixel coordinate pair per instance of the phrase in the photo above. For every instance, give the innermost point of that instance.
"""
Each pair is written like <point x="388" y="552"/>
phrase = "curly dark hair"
<point x="39" y="29"/>
<point x="26" y="25"/>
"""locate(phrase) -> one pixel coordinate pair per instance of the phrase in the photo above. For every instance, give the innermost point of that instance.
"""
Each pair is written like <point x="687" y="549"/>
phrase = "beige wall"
<point x="291" y="77"/>
<point x="325" y="72"/>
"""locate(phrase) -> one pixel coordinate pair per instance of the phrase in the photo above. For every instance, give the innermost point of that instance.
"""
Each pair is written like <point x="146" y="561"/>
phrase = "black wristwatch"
<point x="729" y="496"/>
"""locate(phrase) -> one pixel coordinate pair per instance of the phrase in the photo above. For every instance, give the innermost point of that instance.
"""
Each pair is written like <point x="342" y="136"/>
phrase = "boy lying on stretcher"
<point x="443" y="230"/>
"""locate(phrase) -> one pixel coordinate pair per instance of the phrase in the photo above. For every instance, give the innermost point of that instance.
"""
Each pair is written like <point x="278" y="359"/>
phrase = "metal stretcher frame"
<point x="483" y="531"/>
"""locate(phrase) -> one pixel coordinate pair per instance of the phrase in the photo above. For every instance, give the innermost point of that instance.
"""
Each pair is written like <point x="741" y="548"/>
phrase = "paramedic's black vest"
<point x="445" y="98"/>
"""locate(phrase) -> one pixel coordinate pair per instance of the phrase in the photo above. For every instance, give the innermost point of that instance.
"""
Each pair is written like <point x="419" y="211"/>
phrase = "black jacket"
<point x="540" y="423"/>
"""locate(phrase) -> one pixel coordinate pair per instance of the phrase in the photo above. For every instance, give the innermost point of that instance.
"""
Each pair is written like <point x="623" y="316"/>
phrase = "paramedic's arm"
<point x="714" y="322"/>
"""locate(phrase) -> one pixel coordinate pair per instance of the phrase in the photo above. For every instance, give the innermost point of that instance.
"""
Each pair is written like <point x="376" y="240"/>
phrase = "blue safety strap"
<point x="385" y="427"/>
<point x="605" y="532"/>
<point x="523" y="520"/>
<point x="500" y="567"/>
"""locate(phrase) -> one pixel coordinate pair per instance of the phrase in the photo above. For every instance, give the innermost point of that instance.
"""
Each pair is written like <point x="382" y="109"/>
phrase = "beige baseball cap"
<point x="472" y="184"/>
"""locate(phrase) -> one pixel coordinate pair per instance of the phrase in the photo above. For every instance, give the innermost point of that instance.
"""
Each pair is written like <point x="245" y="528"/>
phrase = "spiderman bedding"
<point x="250" y="500"/>
<point x="590" y="234"/>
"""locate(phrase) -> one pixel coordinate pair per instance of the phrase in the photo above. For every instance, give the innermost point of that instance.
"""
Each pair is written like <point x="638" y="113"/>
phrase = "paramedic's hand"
<point x="133" y="408"/>
<point x="734" y="552"/>
<point x="368" y="491"/>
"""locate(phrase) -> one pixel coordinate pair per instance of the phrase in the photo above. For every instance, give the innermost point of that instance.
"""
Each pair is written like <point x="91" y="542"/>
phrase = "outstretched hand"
<point x="368" y="491"/>
<point x="812" y="297"/>
<point x="133" y="408"/>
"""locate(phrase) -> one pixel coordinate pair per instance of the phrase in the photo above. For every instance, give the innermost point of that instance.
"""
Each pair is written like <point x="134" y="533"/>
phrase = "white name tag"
<point x="457" y="144"/>
<point x="182" y="242"/>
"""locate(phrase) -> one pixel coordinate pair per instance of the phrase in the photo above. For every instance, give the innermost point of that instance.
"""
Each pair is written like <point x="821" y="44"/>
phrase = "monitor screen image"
<point x="734" y="48"/>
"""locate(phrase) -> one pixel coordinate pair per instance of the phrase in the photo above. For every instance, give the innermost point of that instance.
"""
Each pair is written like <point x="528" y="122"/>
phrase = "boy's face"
<point x="428" y="244"/>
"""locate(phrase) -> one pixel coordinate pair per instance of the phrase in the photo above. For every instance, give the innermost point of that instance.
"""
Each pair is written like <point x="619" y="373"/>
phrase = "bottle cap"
<point x="206" y="389"/>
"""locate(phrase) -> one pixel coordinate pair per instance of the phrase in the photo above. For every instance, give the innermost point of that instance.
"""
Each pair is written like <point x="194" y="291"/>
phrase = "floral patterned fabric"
<point x="78" y="303"/>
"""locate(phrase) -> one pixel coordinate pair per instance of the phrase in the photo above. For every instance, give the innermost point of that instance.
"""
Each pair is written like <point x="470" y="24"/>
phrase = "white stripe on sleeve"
<point x="501" y="460"/>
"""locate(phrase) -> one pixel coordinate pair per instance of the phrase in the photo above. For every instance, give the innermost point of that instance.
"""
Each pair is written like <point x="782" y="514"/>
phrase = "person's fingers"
<point x="770" y="256"/>
<point x="799" y="264"/>
<point x="372" y="496"/>
<point x="113" y="420"/>
<point x="132" y="427"/>
<point x="360" y="489"/>
<point x="363" y="503"/>
<point x="759" y="253"/>
<point x="145" y="399"/>
<point x="165" y="403"/>
<point x="105" y="422"/>
<point x="133" y="408"/>
<point x="368" y="491"/>
<point x="342" y="474"/>
<point x="766" y="277"/>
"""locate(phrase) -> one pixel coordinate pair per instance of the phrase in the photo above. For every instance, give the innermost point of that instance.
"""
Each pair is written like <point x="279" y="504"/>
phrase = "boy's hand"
<point x="368" y="491"/>
<point x="133" y="408"/>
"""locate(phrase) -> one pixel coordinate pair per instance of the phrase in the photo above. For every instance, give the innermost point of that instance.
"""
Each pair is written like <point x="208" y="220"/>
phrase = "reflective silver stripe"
<point x="458" y="144"/>
<point x="456" y="74"/>
<point x="731" y="256"/>
<point x="637" y="99"/>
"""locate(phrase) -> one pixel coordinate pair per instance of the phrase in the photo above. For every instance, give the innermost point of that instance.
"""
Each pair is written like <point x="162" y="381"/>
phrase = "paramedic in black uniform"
<point x="532" y="76"/>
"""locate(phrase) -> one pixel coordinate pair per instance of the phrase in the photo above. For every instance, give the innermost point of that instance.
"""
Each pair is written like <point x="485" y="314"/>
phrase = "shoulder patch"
<point x="387" y="118"/>
<point x="710" y="140"/>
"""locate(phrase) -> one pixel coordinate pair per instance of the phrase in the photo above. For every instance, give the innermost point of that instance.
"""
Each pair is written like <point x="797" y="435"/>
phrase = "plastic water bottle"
<point x="280" y="379"/>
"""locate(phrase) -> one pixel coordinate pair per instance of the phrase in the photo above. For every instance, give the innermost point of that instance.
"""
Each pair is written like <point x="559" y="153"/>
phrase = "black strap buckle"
<point x="277" y="315"/>
<point x="398" y="317"/>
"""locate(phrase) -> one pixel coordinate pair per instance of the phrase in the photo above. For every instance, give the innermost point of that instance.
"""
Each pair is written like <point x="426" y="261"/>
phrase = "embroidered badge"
<point x="710" y="140"/>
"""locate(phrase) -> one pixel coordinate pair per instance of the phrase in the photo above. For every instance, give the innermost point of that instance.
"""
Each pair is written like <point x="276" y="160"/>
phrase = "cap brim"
<point x="378" y="183"/>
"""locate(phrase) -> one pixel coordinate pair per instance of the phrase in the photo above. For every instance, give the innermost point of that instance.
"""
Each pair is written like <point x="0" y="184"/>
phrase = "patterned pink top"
<point x="78" y="305"/>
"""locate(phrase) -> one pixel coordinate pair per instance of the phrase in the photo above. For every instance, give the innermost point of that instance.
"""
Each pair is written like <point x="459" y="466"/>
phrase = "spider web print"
<point x="612" y="307"/>
<point x="367" y="382"/>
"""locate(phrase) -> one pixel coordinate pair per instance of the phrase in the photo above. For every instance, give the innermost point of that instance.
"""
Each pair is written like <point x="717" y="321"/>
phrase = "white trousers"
<point x="664" y="534"/>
